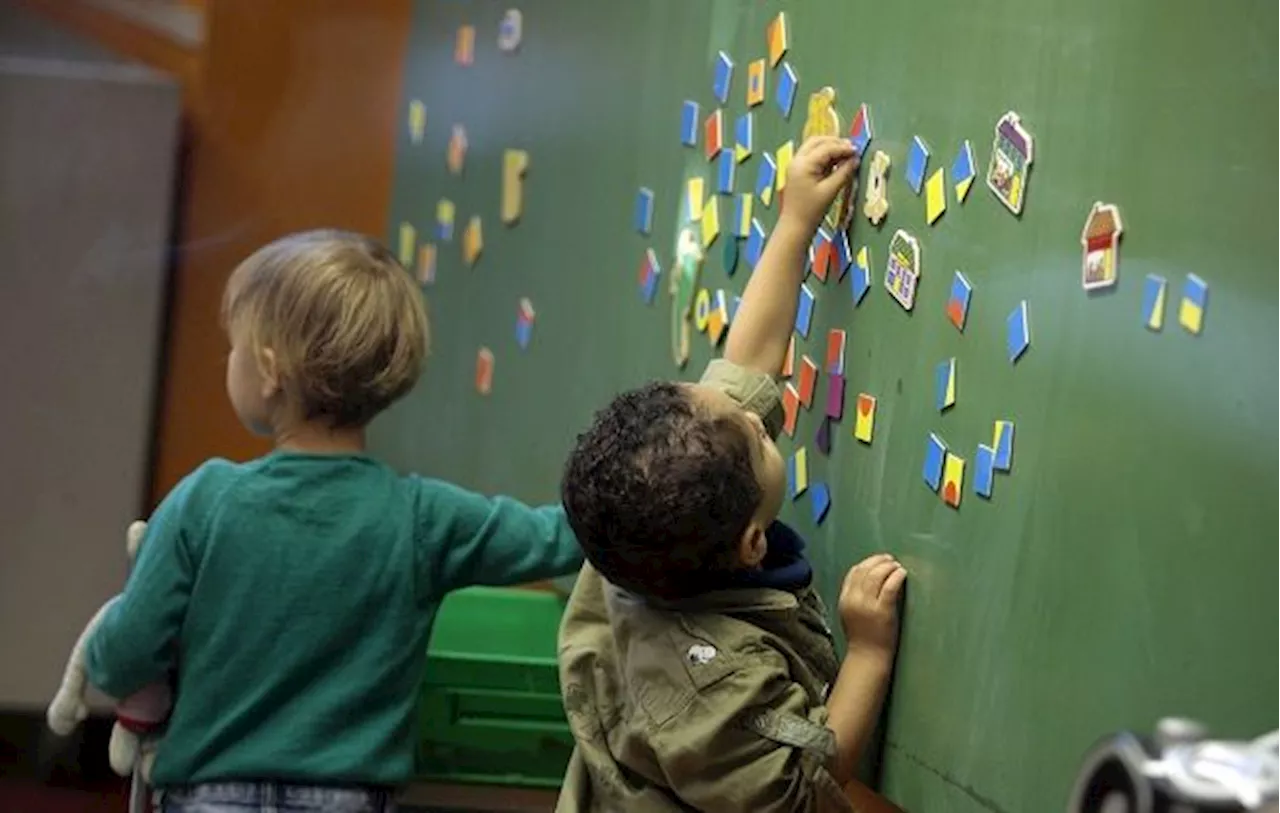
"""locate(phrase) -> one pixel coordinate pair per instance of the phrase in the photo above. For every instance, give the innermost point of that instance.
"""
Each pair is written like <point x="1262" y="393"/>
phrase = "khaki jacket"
<point x="715" y="703"/>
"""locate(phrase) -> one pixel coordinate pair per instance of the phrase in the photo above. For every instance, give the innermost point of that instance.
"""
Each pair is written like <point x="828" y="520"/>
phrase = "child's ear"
<point x="753" y="545"/>
<point x="270" y="373"/>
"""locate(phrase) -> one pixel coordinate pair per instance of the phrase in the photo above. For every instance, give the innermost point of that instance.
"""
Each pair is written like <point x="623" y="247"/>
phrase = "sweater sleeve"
<point x="464" y="538"/>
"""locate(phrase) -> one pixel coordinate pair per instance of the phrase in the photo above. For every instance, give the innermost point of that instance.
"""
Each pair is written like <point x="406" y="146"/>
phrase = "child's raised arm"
<point x="762" y="326"/>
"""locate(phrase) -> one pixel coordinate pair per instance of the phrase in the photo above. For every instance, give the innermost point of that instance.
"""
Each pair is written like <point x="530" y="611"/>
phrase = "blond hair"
<point x="343" y="319"/>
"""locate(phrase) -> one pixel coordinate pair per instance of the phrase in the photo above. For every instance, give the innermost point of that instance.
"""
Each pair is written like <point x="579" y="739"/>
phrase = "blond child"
<point x="294" y="594"/>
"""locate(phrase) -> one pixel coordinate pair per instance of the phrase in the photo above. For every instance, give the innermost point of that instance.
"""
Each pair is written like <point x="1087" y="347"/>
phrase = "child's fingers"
<point x="893" y="586"/>
<point x="827" y="150"/>
<point x="873" y="582"/>
<point x="840" y="177"/>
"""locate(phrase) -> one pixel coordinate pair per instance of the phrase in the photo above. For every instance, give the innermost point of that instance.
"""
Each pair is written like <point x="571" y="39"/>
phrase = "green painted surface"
<point x="1125" y="569"/>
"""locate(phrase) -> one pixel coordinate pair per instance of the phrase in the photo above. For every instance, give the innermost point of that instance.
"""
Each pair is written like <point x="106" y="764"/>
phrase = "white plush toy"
<point x="137" y="716"/>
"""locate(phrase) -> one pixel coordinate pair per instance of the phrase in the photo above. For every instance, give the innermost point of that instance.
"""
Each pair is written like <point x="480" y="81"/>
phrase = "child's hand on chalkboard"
<point x="869" y="603"/>
<point x="820" y="169"/>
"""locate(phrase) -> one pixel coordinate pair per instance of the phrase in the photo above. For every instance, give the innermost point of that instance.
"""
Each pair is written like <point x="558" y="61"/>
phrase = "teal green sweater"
<point x="293" y="596"/>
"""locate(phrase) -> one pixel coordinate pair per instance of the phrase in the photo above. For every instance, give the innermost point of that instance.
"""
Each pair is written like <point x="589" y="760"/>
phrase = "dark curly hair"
<point x="659" y="492"/>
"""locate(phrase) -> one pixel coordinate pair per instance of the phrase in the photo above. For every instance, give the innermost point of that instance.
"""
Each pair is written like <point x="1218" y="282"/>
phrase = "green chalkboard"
<point x="1125" y="568"/>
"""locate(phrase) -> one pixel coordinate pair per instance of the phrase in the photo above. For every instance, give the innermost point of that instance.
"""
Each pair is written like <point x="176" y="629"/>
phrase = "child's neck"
<point x="319" y="438"/>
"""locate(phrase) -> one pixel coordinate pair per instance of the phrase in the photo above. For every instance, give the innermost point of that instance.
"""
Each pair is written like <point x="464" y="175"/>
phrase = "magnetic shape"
<point x="472" y="241"/>
<point x="1002" y="445"/>
<point x="510" y="30"/>
<point x="722" y="77"/>
<point x="952" y="480"/>
<point x="945" y="385"/>
<point x="1154" y="292"/>
<point x="1012" y="150"/>
<point x="515" y="163"/>
<point x="864" y="419"/>
<point x="820" y="254"/>
<point x="484" y="371"/>
<point x="788" y="84"/>
<point x="725" y="166"/>
<point x="650" y="271"/>
<point x="713" y="134"/>
<point x="417" y="121"/>
<point x="693" y="189"/>
<point x="958" y="301"/>
<point x="821" y="118"/>
<point x="861" y="281"/>
<point x="755" y="243"/>
<point x="783" y="156"/>
<point x="730" y="255"/>
<point x="408" y="244"/>
<point x="798" y="472"/>
<point x="808" y="380"/>
<point x="822" y="437"/>
<point x="778" y="38"/>
<point x="917" y="163"/>
<point x="876" y="204"/>
<point x="902" y="272"/>
<point x="445" y="212"/>
<point x="766" y="177"/>
<point x="742" y="215"/>
<point x="1018" y="338"/>
<point x="836" y="341"/>
<point x="963" y="171"/>
<point x="755" y="82"/>
<point x="718" y="320"/>
<point x="843" y="254"/>
<point x="744" y="136"/>
<point x="790" y="409"/>
<point x="456" y="154"/>
<point x="935" y="196"/>
<point x="860" y="130"/>
<point x="1100" y="242"/>
<point x="464" y="46"/>
<point x="1195" y="298"/>
<point x="710" y="221"/>
<point x="835" y="396"/>
<point x="983" y="471"/>
<point x="820" y="502"/>
<point x="524" y="324"/>
<point x="427" y="264"/>
<point x="804" y="313"/>
<point x="789" y="361"/>
<point x="934" y="453"/>
<point x="702" y="310"/>
<point x="643" y="218"/>
<point x="689" y="114"/>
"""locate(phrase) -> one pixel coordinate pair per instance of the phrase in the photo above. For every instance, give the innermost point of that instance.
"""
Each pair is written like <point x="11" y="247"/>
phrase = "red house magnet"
<point x="1100" y="241"/>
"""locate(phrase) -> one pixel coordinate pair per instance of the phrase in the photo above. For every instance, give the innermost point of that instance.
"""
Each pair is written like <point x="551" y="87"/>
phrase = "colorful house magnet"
<point x="778" y="38"/>
<point x="484" y="371"/>
<point x="861" y="281"/>
<point x="743" y="137"/>
<point x="417" y="121"/>
<point x="515" y="163"/>
<point x="1195" y="298"/>
<point x="472" y="241"/>
<point x="755" y="82"/>
<point x="766" y="177"/>
<point x="963" y="171"/>
<point x="710" y="221"/>
<point x="790" y="409"/>
<point x="722" y="77"/>
<point x="902" y="273"/>
<point x="917" y="163"/>
<point x="945" y="385"/>
<point x="444" y="220"/>
<point x="934" y="453"/>
<point x="958" y="302"/>
<point x="835" y="396"/>
<point x="788" y="83"/>
<point x="808" y="380"/>
<point x="713" y="134"/>
<point x="935" y="196"/>
<point x="798" y="473"/>
<point x="427" y="264"/>
<point x="1019" y="331"/>
<point x="1153" y="297"/>
<point x="689" y="114"/>
<point x="510" y="30"/>
<point x="524" y="324"/>
<point x="742" y="215"/>
<point x="860" y="132"/>
<point x="725" y="167"/>
<point x="804" y="313"/>
<point x="983" y="471"/>
<point x="836" y="341"/>
<point x="457" y="153"/>
<point x="1100" y="241"/>
<point x="1002" y="444"/>
<point x="755" y="243"/>
<point x="864" y="421"/>
<point x="1012" y="151"/>
<point x="643" y="218"/>
<point x="464" y="47"/>
<point x="952" y="480"/>
<point x="877" y="199"/>
<point x="820" y="502"/>
<point x="650" y="271"/>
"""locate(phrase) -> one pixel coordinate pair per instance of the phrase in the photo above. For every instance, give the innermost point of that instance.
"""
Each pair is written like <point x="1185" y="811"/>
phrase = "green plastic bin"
<point x="490" y="711"/>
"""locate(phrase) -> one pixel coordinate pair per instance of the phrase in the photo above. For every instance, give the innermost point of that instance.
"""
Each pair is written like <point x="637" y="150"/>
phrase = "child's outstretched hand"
<point x="869" y="603"/>
<point x="819" y="170"/>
